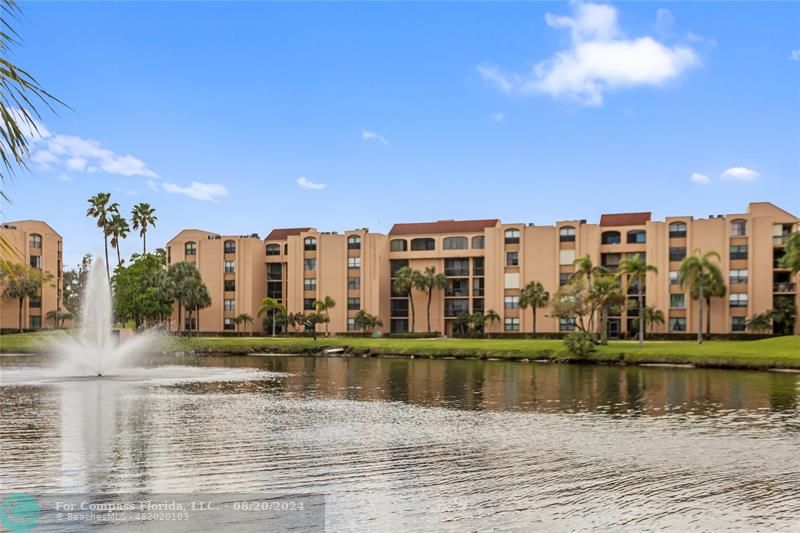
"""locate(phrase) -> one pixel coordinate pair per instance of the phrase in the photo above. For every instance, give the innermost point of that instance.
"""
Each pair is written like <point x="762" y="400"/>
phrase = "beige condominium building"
<point x="35" y="243"/>
<point x="487" y="263"/>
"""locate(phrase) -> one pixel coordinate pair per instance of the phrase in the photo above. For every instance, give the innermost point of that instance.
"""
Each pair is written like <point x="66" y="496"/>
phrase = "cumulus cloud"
<point x="371" y="136"/>
<point x="740" y="174"/>
<point x="700" y="179"/>
<point x="599" y="59"/>
<point x="795" y="55"/>
<point x="207" y="192"/>
<point x="304" y="183"/>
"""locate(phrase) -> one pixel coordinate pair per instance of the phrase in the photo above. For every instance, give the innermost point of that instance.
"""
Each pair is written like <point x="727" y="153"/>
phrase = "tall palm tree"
<point x="694" y="272"/>
<point x="324" y="307"/>
<point x="102" y="211"/>
<point x="143" y="216"/>
<point x="713" y="287"/>
<point x="58" y="317"/>
<point x="605" y="291"/>
<point x="20" y="281"/>
<point x="428" y="282"/>
<point x="243" y="318"/>
<point x="584" y="268"/>
<point x="181" y="273"/>
<point x="491" y="316"/>
<point x="118" y="229"/>
<point x="791" y="258"/>
<point x="271" y="305"/>
<point x="636" y="268"/>
<point x="195" y="297"/>
<point x="404" y="282"/>
<point x="533" y="295"/>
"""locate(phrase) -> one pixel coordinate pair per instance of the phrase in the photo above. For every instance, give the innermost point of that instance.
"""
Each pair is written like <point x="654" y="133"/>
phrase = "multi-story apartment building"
<point x="33" y="242"/>
<point x="488" y="262"/>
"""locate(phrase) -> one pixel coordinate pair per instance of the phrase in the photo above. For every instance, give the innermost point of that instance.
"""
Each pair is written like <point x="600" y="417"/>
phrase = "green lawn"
<point x="781" y="352"/>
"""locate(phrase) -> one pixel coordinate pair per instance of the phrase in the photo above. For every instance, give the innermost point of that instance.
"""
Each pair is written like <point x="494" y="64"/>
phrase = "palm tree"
<point x="713" y="287"/>
<point x="142" y="217"/>
<point x="242" y="318"/>
<point x="366" y="321"/>
<point x="694" y="272"/>
<point x="181" y="273"/>
<point x="118" y="229"/>
<point x="271" y="305"/>
<point x="58" y="317"/>
<point x="195" y="297"/>
<point x="791" y="258"/>
<point x="295" y="319"/>
<point x="584" y="268"/>
<point x="324" y="307"/>
<point x="20" y="281"/>
<point x="100" y="210"/>
<point x="533" y="295"/>
<point x="605" y="292"/>
<point x="636" y="268"/>
<point x="760" y="322"/>
<point x="406" y="279"/>
<point x="491" y="316"/>
<point x="428" y="281"/>
<point x="653" y="316"/>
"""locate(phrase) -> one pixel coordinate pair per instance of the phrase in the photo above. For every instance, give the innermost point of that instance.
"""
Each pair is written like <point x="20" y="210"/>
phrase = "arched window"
<point x="190" y="248"/>
<point x="677" y="230"/>
<point x="478" y="242"/>
<point x="455" y="243"/>
<point x="354" y="242"/>
<point x="398" y="245"/>
<point x="738" y="228"/>
<point x="566" y="234"/>
<point x="273" y="249"/>
<point x="611" y="237"/>
<point x="423" y="244"/>
<point x="35" y="240"/>
<point x="230" y="247"/>
<point x="310" y="244"/>
<point x="637" y="236"/>
<point x="512" y="236"/>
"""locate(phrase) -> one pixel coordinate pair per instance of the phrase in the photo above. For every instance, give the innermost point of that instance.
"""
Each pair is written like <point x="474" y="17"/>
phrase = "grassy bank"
<point x="781" y="352"/>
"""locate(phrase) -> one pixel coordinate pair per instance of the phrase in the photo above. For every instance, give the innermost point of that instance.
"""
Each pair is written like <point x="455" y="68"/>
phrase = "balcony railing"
<point x="780" y="240"/>
<point x="783" y="286"/>
<point x="457" y="291"/>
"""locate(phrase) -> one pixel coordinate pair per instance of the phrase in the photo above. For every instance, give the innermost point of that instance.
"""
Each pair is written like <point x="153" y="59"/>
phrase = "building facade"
<point x="37" y="244"/>
<point x="488" y="262"/>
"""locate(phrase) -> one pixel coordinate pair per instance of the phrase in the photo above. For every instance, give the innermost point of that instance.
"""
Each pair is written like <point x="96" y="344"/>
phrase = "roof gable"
<point x="625" y="219"/>
<point x="443" y="226"/>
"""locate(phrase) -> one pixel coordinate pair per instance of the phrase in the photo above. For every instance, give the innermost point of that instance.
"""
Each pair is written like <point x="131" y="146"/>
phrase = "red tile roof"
<point x="625" y="219"/>
<point x="443" y="226"/>
<point x="279" y="234"/>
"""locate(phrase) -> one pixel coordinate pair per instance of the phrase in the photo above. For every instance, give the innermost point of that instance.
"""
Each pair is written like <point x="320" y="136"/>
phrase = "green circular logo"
<point x="19" y="512"/>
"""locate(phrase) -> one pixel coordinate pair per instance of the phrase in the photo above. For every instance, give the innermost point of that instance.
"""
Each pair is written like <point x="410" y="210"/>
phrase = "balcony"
<point x="783" y="287"/>
<point x="780" y="241"/>
<point x="457" y="292"/>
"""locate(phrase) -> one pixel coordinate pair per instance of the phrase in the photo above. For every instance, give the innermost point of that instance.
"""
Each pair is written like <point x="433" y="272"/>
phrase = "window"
<point x="512" y="280"/>
<point x="478" y="242"/>
<point x="610" y="237"/>
<point x="309" y="264"/>
<point x="35" y="303"/>
<point x="274" y="272"/>
<point x="512" y="259"/>
<point x="422" y="244"/>
<point x="399" y="325"/>
<point x="309" y="304"/>
<point x="351" y="324"/>
<point x="354" y="242"/>
<point x="458" y="287"/>
<point x="455" y="243"/>
<point x="673" y="277"/>
<point x="309" y="244"/>
<point x="275" y="290"/>
<point x="229" y="266"/>
<point x="397" y="264"/>
<point x="677" y="301"/>
<point x="286" y="248"/>
<point x="566" y="324"/>
<point x="677" y="230"/>
<point x="563" y="277"/>
<point x="35" y="240"/>
<point x="190" y="248"/>
<point x="677" y="324"/>
<point x="477" y="266"/>
<point x="456" y="267"/>
<point x="637" y="237"/>
<point x="353" y="283"/>
<point x="399" y="307"/>
<point x="566" y="257"/>
<point x="511" y="324"/>
<point x="610" y="261"/>
<point x="273" y="249"/>
<point x="228" y="323"/>
<point x="477" y="305"/>
<point x="738" y="276"/>
<point x="353" y="262"/>
<point x="738" y="323"/>
<point x="353" y="304"/>
<point x="229" y="305"/>
<point x="36" y="261"/>
<point x="738" y="228"/>
<point x="738" y="251"/>
<point x="35" y="322"/>
<point x="230" y="247"/>
<point x="512" y="236"/>
<point x="229" y="285"/>
<point x="677" y="253"/>
<point x="738" y="300"/>
<point x="477" y="287"/>
<point x="566" y="234"/>
<point x="453" y="307"/>
<point x="398" y="245"/>
<point x="511" y="302"/>
<point x="310" y="284"/>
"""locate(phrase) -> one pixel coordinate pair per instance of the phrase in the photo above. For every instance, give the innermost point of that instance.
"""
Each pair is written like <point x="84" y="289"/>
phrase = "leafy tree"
<point x="462" y="324"/>
<point x="636" y="268"/>
<point x="75" y="284"/>
<point x="406" y="279"/>
<point x="195" y="297"/>
<point x="533" y="295"/>
<point x="713" y="287"/>
<point x="791" y="258"/>
<point x="605" y="292"/>
<point x="100" y="210"/>
<point x="367" y="322"/>
<point x="58" y="317"/>
<point x="314" y="319"/>
<point x="580" y="343"/>
<point x="271" y="305"/>
<point x="143" y="291"/>
<point x="572" y="301"/>
<point x="760" y="322"/>
<point x="429" y="281"/>
<point x="118" y="229"/>
<point x="293" y="320"/>
<point x="242" y="318"/>
<point x="784" y="315"/>
<point x="324" y="306"/>
<point x="181" y="273"/>
<point x="20" y="281"/>
<point x="694" y="272"/>
<point x="142" y="217"/>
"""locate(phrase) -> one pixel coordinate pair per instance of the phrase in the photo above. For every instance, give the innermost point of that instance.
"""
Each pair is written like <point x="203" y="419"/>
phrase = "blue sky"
<point x="530" y="112"/>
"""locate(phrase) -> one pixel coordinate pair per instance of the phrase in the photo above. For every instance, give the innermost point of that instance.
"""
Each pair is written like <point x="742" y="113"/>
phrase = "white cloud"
<point x="600" y="59"/>
<point x="207" y="192"/>
<point x="740" y="174"/>
<point x="371" y="136"/>
<point x="303" y="183"/>
<point x="700" y="179"/>
<point x="152" y="185"/>
<point x="64" y="177"/>
<point x="498" y="117"/>
<point x="795" y="55"/>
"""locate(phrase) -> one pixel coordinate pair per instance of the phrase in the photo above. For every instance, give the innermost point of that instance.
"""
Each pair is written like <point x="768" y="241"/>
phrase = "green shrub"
<point x="580" y="344"/>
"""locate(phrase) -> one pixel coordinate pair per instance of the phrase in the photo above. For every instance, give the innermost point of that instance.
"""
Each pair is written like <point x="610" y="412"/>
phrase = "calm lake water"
<point x="423" y="445"/>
